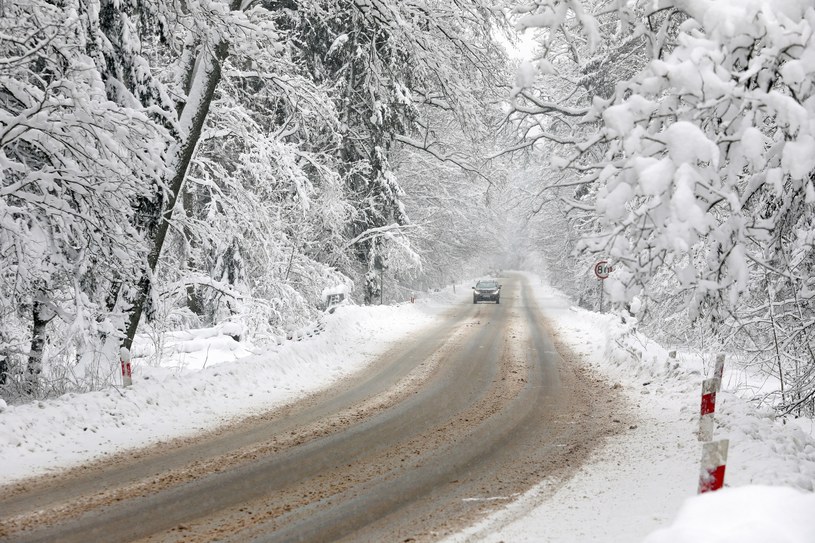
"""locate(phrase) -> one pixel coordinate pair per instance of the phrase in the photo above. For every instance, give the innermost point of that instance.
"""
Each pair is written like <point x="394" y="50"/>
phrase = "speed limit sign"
<point x="602" y="269"/>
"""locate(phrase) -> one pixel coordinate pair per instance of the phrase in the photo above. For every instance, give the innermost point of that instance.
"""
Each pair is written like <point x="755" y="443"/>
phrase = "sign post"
<point x="602" y="269"/>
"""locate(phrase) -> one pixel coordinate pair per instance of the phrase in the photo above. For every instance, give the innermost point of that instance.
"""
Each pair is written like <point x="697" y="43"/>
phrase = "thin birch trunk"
<point x="775" y="340"/>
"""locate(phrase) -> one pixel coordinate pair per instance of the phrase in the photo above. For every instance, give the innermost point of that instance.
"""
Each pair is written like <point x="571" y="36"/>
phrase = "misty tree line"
<point x="178" y="164"/>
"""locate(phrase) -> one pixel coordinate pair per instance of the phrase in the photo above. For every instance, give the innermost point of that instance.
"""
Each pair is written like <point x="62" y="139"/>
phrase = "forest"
<point x="167" y="165"/>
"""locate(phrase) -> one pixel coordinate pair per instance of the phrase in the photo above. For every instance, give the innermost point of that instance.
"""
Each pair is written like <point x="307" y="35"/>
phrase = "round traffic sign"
<point x="602" y="269"/>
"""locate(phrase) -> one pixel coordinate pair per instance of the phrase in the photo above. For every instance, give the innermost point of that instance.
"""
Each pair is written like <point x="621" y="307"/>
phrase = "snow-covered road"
<point x="633" y="484"/>
<point x="419" y="443"/>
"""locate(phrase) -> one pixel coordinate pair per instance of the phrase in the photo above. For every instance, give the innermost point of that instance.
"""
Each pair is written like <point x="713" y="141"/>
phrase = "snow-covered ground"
<point x="202" y="380"/>
<point x="641" y="482"/>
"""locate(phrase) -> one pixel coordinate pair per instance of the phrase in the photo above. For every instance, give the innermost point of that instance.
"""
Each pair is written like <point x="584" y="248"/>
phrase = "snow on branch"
<point x="457" y="161"/>
<point x="373" y="233"/>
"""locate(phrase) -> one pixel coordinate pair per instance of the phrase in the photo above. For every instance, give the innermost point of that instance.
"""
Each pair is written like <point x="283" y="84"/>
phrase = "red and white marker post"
<point x="127" y="373"/>
<point x="719" y="371"/>
<point x="714" y="453"/>
<point x="714" y="461"/>
<point x="709" y="388"/>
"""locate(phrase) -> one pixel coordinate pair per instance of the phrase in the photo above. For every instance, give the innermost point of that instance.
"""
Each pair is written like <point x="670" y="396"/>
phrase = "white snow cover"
<point x="206" y="379"/>
<point x="639" y="485"/>
<point x="524" y="77"/>
<point x="334" y="290"/>
<point x="748" y="514"/>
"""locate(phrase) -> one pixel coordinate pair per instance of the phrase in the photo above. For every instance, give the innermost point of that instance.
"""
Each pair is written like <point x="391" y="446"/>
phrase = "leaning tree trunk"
<point x="204" y="80"/>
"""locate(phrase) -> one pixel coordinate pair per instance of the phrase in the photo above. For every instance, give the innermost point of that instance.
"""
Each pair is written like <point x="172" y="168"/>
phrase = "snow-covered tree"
<point x="73" y="161"/>
<point x="385" y="60"/>
<point x="184" y="163"/>
<point x="703" y="165"/>
<point x="264" y="206"/>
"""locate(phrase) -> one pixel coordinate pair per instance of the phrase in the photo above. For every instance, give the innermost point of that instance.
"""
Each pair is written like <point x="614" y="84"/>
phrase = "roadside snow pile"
<point x="194" y="349"/>
<point x="635" y="354"/>
<point x="764" y="449"/>
<point x="165" y="403"/>
<point x="748" y="514"/>
<point x="640" y="478"/>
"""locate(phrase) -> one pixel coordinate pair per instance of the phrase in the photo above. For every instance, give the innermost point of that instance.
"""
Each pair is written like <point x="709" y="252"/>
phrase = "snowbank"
<point x="206" y="379"/>
<point x="190" y="350"/>
<point x="749" y="514"/>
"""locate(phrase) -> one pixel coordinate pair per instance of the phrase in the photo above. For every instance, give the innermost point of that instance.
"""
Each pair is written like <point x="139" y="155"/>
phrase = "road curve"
<point x="444" y="427"/>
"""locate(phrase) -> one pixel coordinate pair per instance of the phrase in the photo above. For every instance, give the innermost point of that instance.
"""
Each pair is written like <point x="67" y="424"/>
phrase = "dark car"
<point x="487" y="289"/>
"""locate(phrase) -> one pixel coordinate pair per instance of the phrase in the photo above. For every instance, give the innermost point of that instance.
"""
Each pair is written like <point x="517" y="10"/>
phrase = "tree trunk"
<point x="771" y="297"/>
<point x="193" y="117"/>
<point x="193" y="300"/>
<point x="4" y="369"/>
<point x="35" y="354"/>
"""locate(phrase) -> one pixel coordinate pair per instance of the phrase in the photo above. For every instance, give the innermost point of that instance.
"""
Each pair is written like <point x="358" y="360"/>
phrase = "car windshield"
<point x="486" y="284"/>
